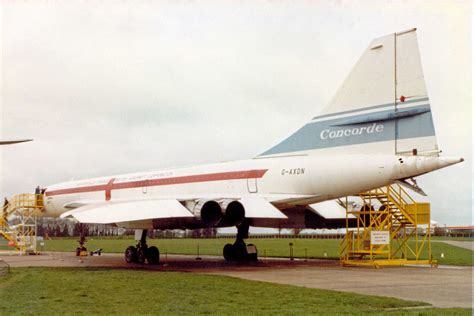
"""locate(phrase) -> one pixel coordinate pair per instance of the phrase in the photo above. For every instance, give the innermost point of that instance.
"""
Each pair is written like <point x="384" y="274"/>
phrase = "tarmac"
<point x="445" y="286"/>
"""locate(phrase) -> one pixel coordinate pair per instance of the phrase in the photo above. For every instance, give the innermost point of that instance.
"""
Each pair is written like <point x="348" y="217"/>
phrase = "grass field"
<point x="452" y="255"/>
<point x="452" y="238"/>
<point x="58" y="291"/>
<point x="311" y="248"/>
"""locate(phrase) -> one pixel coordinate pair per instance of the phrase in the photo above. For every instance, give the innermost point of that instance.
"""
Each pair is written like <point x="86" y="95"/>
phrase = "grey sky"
<point x="122" y="86"/>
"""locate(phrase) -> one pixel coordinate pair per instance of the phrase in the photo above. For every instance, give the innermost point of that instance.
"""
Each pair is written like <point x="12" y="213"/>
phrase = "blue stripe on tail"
<point x="358" y="129"/>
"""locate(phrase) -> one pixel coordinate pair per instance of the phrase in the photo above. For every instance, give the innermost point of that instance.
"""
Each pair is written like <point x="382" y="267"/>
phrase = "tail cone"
<point x="427" y="164"/>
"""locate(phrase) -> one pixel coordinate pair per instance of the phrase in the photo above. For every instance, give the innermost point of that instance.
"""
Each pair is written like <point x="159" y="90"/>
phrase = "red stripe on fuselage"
<point x="108" y="190"/>
<point x="233" y="175"/>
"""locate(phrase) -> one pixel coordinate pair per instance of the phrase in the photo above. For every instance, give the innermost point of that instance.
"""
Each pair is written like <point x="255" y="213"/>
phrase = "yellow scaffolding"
<point x="389" y="235"/>
<point x="18" y="221"/>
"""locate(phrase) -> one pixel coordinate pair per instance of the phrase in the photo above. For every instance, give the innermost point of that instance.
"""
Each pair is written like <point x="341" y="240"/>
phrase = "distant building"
<point x="455" y="231"/>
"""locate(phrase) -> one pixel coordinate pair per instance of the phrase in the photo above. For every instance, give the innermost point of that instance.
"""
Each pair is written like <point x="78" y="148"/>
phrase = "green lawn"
<point x="452" y="238"/>
<point x="452" y="255"/>
<point x="314" y="248"/>
<point x="58" y="291"/>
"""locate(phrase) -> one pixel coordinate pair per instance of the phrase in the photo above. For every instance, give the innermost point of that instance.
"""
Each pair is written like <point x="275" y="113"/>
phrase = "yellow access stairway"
<point x="18" y="221"/>
<point x="388" y="230"/>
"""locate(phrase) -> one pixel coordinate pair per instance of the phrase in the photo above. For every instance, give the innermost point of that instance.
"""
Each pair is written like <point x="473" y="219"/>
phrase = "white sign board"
<point x="380" y="237"/>
<point x="138" y="234"/>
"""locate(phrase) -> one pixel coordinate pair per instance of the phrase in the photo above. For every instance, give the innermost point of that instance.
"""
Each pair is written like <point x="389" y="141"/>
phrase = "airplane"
<point x="17" y="141"/>
<point x="377" y="130"/>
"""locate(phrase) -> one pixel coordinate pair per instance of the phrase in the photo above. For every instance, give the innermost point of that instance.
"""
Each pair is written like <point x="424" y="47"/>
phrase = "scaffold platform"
<point x="18" y="221"/>
<point x="392" y="229"/>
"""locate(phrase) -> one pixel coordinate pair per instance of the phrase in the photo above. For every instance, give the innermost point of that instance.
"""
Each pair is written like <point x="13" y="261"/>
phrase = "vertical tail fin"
<point x="382" y="107"/>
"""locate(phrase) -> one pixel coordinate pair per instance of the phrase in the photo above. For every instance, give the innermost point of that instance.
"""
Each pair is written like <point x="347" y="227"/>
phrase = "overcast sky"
<point x="110" y="87"/>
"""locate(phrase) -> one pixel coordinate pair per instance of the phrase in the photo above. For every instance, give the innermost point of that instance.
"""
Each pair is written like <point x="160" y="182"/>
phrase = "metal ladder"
<point x="18" y="221"/>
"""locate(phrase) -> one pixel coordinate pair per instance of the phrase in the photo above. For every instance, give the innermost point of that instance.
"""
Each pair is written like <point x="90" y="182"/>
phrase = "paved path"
<point x="441" y="287"/>
<point x="446" y="286"/>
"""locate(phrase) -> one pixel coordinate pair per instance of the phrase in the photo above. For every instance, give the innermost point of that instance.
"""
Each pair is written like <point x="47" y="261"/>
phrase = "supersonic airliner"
<point x="377" y="130"/>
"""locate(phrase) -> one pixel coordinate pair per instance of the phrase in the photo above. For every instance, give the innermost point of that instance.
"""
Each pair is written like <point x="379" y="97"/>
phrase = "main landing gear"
<point x="239" y="251"/>
<point x="142" y="252"/>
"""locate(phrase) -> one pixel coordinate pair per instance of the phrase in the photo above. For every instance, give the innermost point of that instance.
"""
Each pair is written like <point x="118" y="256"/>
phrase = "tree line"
<point x="48" y="228"/>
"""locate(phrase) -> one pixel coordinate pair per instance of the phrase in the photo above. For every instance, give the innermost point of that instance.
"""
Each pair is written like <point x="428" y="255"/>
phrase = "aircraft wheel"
<point x="131" y="254"/>
<point x="141" y="255"/>
<point x="240" y="251"/>
<point x="252" y="254"/>
<point x="153" y="255"/>
<point x="228" y="252"/>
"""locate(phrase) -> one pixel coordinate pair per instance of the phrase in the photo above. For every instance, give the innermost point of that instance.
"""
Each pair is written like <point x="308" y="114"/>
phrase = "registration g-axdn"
<point x="377" y="130"/>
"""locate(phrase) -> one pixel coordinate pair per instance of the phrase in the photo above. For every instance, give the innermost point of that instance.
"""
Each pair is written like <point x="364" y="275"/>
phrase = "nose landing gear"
<point x="142" y="252"/>
<point x="81" y="251"/>
<point x="239" y="251"/>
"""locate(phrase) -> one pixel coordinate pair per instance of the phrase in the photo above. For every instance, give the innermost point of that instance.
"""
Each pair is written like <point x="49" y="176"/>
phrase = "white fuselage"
<point x="283" y="181"/>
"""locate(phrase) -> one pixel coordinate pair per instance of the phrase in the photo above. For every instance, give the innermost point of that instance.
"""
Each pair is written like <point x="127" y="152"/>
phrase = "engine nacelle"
<point x="209" y="212"/>
<point x="233" y="212"/>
